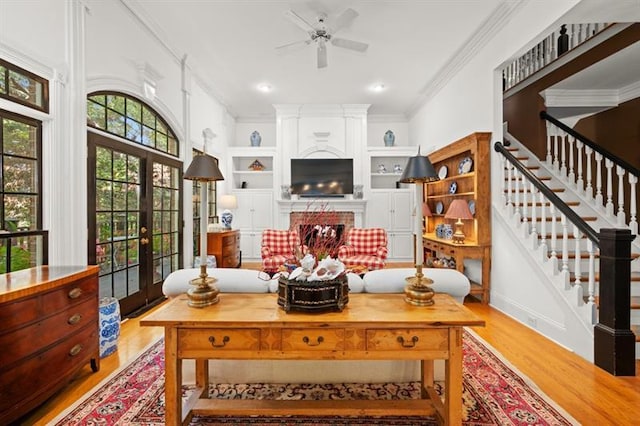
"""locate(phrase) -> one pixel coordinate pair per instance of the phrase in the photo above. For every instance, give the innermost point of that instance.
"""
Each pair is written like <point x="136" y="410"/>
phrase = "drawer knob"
<point x="411" y="344"/>
<point x="212" y="339"/>
<point x="75" y="350"/>
<point x="74" y="293"/>
<point x="319" y="340"/>
<point x="74" y="319"/>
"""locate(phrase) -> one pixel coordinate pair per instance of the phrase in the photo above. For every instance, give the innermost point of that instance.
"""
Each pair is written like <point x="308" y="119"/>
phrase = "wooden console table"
<point x="371" y="327"/>
<point x="468" y="250"/>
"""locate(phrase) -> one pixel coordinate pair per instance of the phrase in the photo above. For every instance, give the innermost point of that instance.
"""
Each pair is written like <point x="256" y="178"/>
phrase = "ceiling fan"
<point x="320" y="33"/>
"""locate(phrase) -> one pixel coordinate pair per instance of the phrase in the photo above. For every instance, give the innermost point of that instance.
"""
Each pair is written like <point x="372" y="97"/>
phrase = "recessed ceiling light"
<point x="264" y="88"/>
<point x="378" y="87"/>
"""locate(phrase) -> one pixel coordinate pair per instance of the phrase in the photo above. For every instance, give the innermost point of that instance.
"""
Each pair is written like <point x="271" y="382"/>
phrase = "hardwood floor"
<point x="588" y="393"/>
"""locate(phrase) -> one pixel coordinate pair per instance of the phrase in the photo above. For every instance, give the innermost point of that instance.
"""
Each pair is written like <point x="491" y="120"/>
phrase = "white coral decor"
<point x="327" y="269"/>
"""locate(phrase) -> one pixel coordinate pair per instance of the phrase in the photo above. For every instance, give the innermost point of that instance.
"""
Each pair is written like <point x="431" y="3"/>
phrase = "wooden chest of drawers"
<point x="225" y="246"/>
<point x="48" y="331"/>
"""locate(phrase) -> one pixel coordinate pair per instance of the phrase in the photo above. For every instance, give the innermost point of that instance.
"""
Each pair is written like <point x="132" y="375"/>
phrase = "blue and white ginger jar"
<point x="255" y="138"/>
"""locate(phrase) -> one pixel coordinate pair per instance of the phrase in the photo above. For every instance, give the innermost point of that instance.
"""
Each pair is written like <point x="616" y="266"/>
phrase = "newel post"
<point x="614" y="342"/>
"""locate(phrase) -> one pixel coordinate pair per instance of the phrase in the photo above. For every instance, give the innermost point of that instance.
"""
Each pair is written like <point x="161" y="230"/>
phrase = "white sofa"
<point x="290" y="371"/>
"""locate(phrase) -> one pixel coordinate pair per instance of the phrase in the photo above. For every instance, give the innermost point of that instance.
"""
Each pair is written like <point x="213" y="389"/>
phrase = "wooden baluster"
<point x="554" y="238"/>
<point x="565" y="247"/>
<point x="552" y="46"/>
<point x="577" y="265"/>
<point x="573" y="41"/>
<point x="633" y="223"/>
<point x="588" y="191"/>
<point x="572" y="175"/>
<point x="599" y="200"/>
<point x="534" y="224"/>
<point x="579" y="180"/>
<point x="583" y="32"/>
<point x="621" y="215"/>
<point x="543" y="226"/>
<point x="608" y="164"/>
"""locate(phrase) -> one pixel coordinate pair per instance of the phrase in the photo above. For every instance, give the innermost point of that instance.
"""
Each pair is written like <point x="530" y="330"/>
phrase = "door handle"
<point x="144" y="241"/>
<point x="143" y="230"/>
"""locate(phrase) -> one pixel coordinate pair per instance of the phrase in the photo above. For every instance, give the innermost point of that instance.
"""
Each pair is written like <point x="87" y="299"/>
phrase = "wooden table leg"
<point x="172" y="378"/>
<point x="202" y="376"/>
<point x="453" y="379"/>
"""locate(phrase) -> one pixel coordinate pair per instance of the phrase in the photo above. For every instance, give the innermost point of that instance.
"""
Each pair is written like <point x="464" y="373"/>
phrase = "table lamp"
<point x="419" y="170"/>
<point x="228" y="202"/>
<point x="459" y="209"/>
<point x="203" y="168"/>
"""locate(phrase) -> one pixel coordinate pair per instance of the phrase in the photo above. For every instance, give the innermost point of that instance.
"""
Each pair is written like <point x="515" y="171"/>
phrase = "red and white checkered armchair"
<point x="366" y="247"/>
<point x="278" y="248"/>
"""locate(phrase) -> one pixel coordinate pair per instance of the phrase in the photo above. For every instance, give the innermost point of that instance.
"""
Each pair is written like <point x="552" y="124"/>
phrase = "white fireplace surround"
<point x="285" y="207"/>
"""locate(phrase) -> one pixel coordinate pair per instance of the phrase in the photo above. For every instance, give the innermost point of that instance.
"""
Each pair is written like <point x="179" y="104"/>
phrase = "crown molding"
<point x="386" y="118"/>
<point x="470" y="48"/>
<point x="627" y="93"/>
<point x="580" y="98"/>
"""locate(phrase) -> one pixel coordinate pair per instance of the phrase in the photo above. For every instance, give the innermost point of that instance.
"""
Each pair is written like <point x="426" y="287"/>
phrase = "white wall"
<point x="472" y="101"/>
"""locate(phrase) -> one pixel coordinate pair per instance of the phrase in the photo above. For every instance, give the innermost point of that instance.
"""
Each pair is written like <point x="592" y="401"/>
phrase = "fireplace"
<point x="324" y="231"/>
<point x="350" y="213"/>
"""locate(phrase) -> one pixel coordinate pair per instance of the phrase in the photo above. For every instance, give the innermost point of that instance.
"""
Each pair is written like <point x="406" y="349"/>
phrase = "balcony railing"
<point x="556" y="44"/>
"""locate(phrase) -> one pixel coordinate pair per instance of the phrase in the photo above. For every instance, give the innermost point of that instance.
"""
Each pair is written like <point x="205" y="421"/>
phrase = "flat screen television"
<point x="321" y="177"/>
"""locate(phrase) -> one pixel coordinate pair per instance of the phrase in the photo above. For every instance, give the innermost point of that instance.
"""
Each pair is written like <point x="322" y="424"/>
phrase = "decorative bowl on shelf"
<point x="439" y="207"/>
<point x="442" y="172"/>
<point x="453" y="188"/>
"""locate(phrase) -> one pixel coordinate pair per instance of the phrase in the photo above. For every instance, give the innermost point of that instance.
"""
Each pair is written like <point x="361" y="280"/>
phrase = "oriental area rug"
<point x="494" y="393"/>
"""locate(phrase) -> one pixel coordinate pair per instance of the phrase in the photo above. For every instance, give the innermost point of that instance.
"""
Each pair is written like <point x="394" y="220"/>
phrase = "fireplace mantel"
<point x="336" y="204"/>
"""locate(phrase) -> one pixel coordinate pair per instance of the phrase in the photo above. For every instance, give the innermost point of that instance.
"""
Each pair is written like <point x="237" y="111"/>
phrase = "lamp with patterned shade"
<point x="459" y="209"/>
<point x="419" y="170"/>
<point x="203" y="168"/>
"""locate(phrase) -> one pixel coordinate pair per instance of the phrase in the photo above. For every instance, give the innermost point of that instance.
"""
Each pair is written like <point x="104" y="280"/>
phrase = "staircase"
<point x="563" y="251"/>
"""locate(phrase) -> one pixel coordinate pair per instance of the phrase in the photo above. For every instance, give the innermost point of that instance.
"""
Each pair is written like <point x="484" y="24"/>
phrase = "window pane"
<point x="25" y="88"/>
<point x="100" y="99"/>
<point x="103" y="227"/>
<point x="119" y="196"/>
<point x="161" y="127"/>
<point x="173" y="146"/>
<point x="3" y="83"/>
<point x="20" y="212"/>
<point x="103" y="195"/>
<point x="161" y="142"/>
<point x="148" y="118"/>
<point x="134" y="284"/>
<point x="133" y="197"/>
<point x="134" y="110"/>
<point x="116" y="103"/>
<point x="132" y="252"/>
<point x="115" y="123"/>
<point x="19" y="175"/>
<point x="133" y="225"/>
<point x="134" y="130"/>
<point x="119" y="166"/>
<point x="148" y="136"/>
<point x="133" y="169"/>
<point x="103" y="163"/>
<point x="119" y="225"/>
<point x="19" y="138"/>
<point x="166" y="221"/>
<point x="96" y="115"/>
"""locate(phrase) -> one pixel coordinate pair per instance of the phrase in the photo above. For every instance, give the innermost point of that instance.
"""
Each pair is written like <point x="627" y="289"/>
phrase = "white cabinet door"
<point x="250" y="245"/>
<point x="401" y="209"/>
<point x="255" y="210"/>
<point x="400" y="246"/>
<point x="379" y="210"/>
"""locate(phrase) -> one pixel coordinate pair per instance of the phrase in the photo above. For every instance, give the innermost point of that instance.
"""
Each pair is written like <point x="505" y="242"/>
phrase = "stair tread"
<point x="635" y="302"/>
<point x="548" y="219"/>
<point x="522" y="190"/>
<point x="539" y="177"/>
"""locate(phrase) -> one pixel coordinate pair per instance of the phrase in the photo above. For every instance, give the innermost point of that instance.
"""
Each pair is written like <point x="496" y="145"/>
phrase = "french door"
<point x="135" y="220"/>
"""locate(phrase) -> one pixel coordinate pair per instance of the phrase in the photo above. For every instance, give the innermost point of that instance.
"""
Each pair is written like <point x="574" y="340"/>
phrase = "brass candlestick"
<point x="204" y="292"/>
<point x="417" y="292"/>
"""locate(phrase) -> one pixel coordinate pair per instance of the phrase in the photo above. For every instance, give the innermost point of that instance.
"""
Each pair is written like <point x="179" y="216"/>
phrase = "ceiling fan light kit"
<point x="320" y="33"/>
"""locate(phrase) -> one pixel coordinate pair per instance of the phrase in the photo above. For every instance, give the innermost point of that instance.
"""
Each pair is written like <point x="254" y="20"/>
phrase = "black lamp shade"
<point x="419" y="169"/>
<point x="203" y="168"/>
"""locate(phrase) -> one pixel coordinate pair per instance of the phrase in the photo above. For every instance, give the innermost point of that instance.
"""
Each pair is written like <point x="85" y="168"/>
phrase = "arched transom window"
<point x="132" y="119"/>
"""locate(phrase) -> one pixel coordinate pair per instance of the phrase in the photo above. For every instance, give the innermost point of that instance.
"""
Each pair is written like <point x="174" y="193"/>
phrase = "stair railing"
<point x="554" y="45"/>
<point x="569" y="152"/>
<point x="523" y="189"/>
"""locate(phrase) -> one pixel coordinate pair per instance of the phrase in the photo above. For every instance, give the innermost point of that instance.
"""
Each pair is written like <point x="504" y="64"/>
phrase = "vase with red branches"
<point x="319" y="230"/>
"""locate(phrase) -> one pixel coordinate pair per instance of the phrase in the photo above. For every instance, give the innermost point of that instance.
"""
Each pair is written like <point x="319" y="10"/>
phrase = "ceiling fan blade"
<point x="322" y="55"/>
<point x="299" y="21"/>
<point x="345" y="19"/>
<point x="293" y="46"/>
<point x="349" y="44"/>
